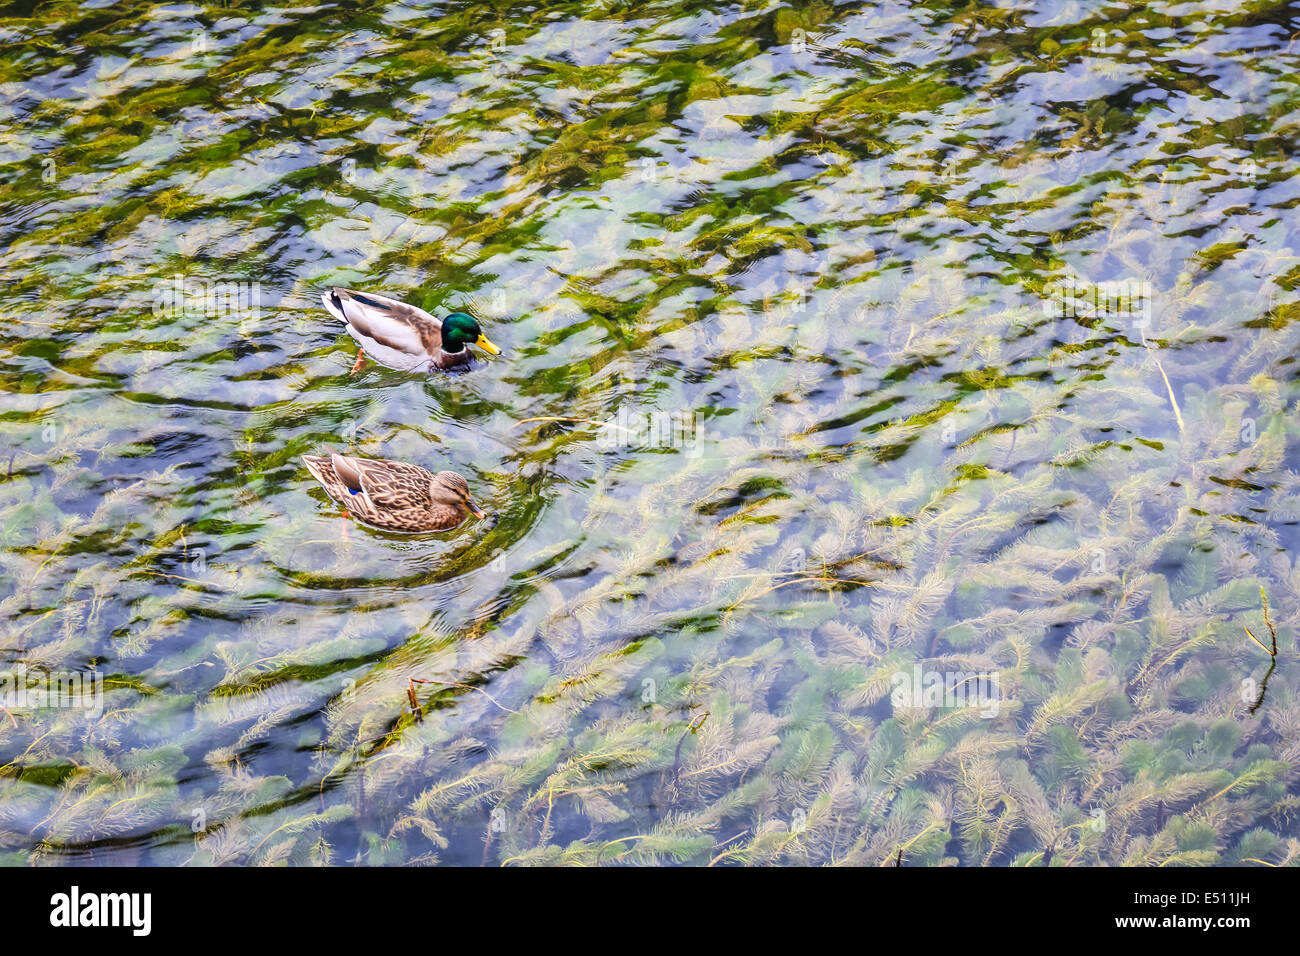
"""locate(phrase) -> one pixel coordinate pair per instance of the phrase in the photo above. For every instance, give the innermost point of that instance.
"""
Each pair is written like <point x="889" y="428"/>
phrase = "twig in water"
<point x="1263" y="687"/>
<point x="1178" y="416"/>
<point x="415" y="701"/>
<point x="561" y="418"/>
<point x="1269" y="621"/>
<point x="1258" y="641"/>
<point x="724" y="843"/>
<point x="452" y="683"/>
<point x="696" y="723"/>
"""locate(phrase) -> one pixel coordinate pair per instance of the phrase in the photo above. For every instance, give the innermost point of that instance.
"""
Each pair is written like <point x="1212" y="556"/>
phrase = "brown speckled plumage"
<point x="393" y="494"/>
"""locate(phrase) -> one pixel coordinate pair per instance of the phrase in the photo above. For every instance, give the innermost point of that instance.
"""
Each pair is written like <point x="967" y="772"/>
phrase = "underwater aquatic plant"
<point x="833" y="241"/>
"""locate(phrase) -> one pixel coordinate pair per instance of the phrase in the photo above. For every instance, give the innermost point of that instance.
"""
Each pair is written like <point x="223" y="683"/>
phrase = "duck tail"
<point x="319" y="468"/>
<point x="333" y="303"/>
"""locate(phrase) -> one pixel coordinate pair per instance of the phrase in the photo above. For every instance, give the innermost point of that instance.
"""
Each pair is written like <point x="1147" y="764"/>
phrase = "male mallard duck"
<point x="393" y="494"/>
<point x="403" y="337"/>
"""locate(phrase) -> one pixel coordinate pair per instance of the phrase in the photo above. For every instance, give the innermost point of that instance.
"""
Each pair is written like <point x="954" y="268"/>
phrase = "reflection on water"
<point x="859" y="358"/>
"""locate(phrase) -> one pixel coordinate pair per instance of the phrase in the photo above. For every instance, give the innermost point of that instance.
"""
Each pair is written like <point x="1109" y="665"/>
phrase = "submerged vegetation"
<point x="843" y="342"/>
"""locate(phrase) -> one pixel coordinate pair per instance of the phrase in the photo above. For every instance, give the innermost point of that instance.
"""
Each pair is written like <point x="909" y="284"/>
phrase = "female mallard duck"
<point x="403" y="337"/>
<point x="393" y="494"/>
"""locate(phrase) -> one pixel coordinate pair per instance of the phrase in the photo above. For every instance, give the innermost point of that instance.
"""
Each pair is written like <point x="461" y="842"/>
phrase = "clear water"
<point x="815" y="391"/>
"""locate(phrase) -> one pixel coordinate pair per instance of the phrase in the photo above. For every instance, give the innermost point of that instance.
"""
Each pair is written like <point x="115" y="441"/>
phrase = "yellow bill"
<point x="486" y="345"/>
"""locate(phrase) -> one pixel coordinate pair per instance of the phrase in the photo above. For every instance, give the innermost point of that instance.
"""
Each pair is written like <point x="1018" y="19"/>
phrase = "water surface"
<point x="846" y="345"/>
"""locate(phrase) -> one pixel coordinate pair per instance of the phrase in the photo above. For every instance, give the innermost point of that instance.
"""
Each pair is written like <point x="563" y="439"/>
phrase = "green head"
<point x="460" y="330"/>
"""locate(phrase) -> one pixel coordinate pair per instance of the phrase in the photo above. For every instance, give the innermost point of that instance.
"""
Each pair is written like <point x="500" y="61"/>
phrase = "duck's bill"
<point x="486" y="345"/>
<point x="475" y="510"/>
